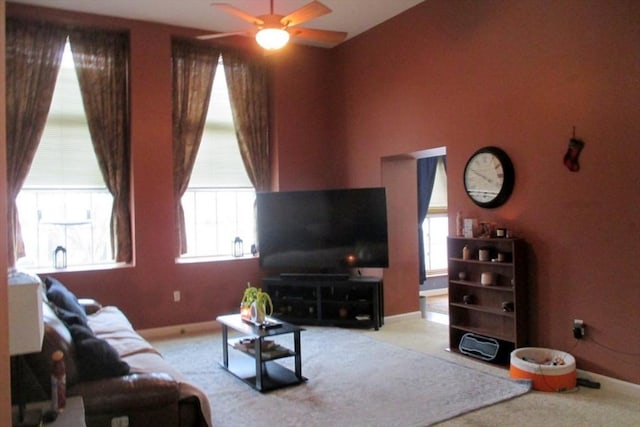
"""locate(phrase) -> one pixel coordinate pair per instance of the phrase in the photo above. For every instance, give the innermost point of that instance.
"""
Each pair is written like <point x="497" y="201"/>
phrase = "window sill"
<point x="200" y="259"/>
<point x="92" y="267"/>
<point x="436" y="274"/>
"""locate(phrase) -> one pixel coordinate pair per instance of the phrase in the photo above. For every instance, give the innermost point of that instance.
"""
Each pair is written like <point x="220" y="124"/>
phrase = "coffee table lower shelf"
<point x="274" y="375"/>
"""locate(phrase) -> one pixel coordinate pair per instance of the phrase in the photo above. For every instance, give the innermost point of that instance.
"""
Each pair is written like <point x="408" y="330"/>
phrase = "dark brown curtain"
<point x="33" y="56"/>
<point x="101" y="62"/>
<point x="194" y="67"/>
<point x="247" y="79"/>
<point x="427" y="168"/>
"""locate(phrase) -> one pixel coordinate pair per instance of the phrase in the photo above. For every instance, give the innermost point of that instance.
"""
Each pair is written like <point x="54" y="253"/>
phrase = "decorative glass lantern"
<point x="238" y="250"/>
<point x="60" y="257"/>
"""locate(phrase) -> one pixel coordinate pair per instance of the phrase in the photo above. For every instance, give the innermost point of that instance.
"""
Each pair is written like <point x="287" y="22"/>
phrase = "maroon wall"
<point x="303" y="131"/>
<point x="519" y="75"/>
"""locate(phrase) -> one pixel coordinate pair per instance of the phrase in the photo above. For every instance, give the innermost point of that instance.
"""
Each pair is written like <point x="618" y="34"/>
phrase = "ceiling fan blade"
<point x="220" y="35"/>
<point x="305" y="13"/>
<point x="323" y="36"/>
<point x="238" y="13"/>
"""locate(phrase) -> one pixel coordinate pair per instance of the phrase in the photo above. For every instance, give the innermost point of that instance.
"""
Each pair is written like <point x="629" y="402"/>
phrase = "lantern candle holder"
<point x="238" y="249"/>
<point x="60" y="257"/>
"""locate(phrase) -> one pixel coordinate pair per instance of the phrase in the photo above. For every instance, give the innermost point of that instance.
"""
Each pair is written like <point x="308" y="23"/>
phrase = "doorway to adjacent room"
<point x="433" y="221"/>
<point x="433" y="229"/>
<point x="407" y="250"/>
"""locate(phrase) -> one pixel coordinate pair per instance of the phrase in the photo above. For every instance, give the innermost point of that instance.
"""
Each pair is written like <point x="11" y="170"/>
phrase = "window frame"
<point x="426" y="227"/>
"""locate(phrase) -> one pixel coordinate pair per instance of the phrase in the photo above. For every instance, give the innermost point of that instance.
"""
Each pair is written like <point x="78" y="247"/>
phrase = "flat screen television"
<point x="322" y="231"/>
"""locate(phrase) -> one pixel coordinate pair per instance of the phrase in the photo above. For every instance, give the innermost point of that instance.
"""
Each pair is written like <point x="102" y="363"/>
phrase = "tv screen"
<point x="323" y="231"/>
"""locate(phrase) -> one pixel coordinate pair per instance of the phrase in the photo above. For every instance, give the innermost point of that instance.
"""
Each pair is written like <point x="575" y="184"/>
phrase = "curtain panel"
<point x="33" y="57"/>
<point x="194" y="66"/>
<point x="248" y="81"/>
<point x="101" y="63"/>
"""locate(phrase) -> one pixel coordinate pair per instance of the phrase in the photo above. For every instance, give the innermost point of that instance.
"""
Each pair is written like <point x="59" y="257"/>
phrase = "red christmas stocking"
<point x="571" y="158"/>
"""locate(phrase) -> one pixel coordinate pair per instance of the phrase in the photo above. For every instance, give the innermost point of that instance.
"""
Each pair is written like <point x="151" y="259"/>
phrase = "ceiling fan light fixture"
<point x="272" y="38"/>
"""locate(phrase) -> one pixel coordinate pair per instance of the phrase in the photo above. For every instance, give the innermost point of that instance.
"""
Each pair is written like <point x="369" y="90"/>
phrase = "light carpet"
<point x="438" y="304"/>
<point x="353" y="380"/>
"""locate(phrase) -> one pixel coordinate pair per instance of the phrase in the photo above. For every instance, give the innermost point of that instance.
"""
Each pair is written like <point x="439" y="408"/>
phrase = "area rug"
<point x="353" y="380"/>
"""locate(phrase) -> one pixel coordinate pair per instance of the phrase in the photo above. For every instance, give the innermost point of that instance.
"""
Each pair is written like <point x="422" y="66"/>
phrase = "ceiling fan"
<point x="273" y="31"/>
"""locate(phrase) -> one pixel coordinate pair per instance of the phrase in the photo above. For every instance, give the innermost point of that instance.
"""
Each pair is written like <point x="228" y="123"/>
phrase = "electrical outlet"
<point x="578" y="328"/>
<point x="176" y="296"/>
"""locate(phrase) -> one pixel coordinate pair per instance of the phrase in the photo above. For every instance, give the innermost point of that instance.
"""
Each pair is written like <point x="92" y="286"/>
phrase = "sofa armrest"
<point x="90" y="305"/>
<point x="129" y="392"/>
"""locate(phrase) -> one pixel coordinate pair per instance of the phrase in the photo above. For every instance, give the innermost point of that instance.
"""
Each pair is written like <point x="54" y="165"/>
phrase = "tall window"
<point x="436" y="225"/>
<point x="64" y="201"/>
<point x="219" y="202"/>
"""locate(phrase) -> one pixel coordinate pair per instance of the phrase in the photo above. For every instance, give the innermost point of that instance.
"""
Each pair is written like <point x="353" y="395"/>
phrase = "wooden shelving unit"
<point x="479" y="309"/>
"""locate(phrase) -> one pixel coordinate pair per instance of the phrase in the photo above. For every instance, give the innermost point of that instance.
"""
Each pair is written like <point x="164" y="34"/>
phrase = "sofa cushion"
<point x="69" y="318"/>
<point x="110" y="324"/>
<point x="95" y="357"/>
<point x="62" y="297"/>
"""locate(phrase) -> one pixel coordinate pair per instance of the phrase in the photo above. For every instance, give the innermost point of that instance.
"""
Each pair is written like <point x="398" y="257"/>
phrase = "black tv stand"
<point x="332" y="277"/>
<point x="328" y="300"/>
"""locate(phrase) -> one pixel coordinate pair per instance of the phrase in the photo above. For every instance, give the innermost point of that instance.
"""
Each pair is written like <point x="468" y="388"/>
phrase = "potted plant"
<point x="254" y="304"/>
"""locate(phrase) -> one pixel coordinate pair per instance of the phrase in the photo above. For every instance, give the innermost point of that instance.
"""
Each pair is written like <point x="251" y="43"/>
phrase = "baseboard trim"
<point x="610" y="383"/>
<point x="434" y="292"/>
<point x="173" y="330"/>
<point x="213" y="326"/>
<point x="402" y="317"/>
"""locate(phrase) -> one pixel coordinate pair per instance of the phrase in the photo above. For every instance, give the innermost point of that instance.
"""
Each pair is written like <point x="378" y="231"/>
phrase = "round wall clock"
<point x="489" y="177"/>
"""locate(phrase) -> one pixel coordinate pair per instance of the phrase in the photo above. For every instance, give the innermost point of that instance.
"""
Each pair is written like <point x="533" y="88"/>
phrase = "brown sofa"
<point x="116" y="371"/>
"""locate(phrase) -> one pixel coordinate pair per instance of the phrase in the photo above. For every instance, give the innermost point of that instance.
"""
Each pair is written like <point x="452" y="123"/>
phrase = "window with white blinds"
<point x="438" y="201"/>
<point x="65" y="156"/>
<point x="219" y="164"/>
<point x="218" y="204"/>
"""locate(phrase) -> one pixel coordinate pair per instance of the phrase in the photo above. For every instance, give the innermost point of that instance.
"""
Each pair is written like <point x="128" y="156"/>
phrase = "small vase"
<point x="245" y="311"/>
<point x="258" y="312"/>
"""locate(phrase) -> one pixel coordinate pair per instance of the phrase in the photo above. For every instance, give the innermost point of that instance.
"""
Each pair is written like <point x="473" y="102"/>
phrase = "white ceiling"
<point x="352" y="16"/>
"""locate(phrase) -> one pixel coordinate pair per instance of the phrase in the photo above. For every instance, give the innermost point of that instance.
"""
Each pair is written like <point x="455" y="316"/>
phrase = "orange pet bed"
<point x="549" y="370"/>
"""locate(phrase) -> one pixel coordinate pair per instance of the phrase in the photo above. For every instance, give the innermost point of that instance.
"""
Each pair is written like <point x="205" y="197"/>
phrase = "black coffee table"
<point x="259" y="369"/>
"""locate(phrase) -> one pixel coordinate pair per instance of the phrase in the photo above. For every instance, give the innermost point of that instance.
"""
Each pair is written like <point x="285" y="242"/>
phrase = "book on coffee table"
<point x="270" y="350"/>
<point x="276" y="351"/>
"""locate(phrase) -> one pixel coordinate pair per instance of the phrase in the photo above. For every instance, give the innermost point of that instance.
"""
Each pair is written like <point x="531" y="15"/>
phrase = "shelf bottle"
<point x="466" y="252"/>
<point x="58" y="382"/>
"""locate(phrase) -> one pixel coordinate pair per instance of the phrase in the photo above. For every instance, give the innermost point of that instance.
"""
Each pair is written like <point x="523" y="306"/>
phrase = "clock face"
<point x="489" y="177"/>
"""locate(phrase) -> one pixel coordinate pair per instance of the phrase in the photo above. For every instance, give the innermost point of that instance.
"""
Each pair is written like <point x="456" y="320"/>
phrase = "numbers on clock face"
<point x="489" y="177"/>
<point x="484" y="177"/>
